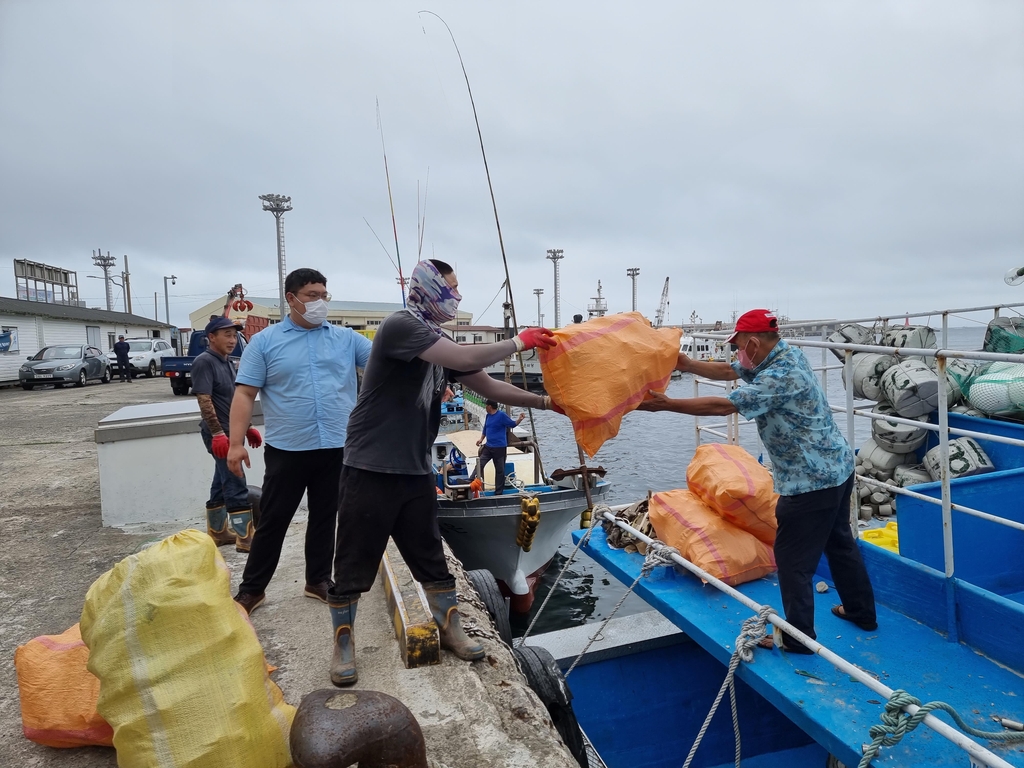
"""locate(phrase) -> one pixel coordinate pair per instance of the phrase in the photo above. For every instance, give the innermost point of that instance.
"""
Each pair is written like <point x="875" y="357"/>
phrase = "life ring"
<point x="486" y="586"/>
<point x="546" y="680"/>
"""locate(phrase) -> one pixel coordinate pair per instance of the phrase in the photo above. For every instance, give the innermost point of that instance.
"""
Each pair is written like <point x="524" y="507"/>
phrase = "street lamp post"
<point x="538" y="292"/>
<point x="555" y="255"/>
<point x="167" y="301"/>
<point x="279" y="205"/>
<point x="632" y="272"/>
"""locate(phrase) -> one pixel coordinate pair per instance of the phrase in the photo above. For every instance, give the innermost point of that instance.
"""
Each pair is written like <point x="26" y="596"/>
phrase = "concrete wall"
<point x="35" y="332"/>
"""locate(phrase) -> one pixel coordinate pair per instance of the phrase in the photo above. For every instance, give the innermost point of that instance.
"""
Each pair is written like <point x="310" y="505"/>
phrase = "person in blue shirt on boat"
<point x="304" y="370"/>
<point x="495" y="433"/>
<point x="811" y="461"/>
<point x="388" y="483"/>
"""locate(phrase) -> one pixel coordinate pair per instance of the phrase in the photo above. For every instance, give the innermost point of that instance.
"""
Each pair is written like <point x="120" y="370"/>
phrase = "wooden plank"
<point x="415" y="629"/>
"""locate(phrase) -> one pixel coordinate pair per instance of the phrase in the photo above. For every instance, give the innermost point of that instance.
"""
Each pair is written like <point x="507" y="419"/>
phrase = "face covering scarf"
<point x="431" y="299"/>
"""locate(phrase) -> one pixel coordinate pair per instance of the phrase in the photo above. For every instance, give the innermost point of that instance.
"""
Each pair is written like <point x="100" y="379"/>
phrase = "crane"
<point x="661" y="315"/>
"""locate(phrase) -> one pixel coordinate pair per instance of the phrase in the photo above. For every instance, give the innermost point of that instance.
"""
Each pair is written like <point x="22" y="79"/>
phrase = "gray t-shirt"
<point x="398" y="412"/>
<point x="214" y="375"/>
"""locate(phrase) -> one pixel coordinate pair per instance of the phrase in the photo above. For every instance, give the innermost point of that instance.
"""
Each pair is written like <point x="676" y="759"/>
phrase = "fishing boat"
<point x="492" y="532"/>
<point x="510" y="369"/>
<point x="950" y="598"/>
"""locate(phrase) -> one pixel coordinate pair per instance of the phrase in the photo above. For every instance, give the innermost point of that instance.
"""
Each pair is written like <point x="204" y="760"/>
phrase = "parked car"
<point x="146" y="356"/>
<point x="64" y="364"/>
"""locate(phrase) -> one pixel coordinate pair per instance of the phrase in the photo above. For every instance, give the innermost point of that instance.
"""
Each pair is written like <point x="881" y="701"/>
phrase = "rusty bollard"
<point x="334" y="729"/>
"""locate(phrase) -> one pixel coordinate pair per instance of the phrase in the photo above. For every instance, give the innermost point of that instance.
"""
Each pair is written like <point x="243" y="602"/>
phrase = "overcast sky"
<point x="821" y="158"/>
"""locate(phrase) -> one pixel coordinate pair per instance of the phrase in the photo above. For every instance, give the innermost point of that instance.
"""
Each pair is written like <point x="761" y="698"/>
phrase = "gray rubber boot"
<point x="242" y="528"/>
<point x="444" y="607"/>
<point x="343" y="661"/>
<point x="217" y="526"/>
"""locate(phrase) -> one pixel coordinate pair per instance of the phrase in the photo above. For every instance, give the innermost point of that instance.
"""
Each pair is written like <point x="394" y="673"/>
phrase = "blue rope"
<point x="896" y="724"/>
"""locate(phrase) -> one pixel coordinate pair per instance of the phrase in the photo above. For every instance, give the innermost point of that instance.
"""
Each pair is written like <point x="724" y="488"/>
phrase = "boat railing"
<point x="940" y="356"/>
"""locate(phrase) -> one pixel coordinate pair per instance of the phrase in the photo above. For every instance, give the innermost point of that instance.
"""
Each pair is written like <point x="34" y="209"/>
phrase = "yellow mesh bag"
<point x="602" y="369"/>
<point x="183" y="681"/>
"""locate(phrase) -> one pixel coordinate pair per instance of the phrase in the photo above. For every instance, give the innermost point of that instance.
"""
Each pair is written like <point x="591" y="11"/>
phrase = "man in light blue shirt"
<point x="811" y="461"/>
<point x="304" y="370"/>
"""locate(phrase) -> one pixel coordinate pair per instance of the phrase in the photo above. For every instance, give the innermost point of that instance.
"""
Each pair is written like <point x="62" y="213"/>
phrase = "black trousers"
<point x="289" y="474"/>
<point x="811" y="524"/>
<point x="374" y="506"/>
<point x="123" y="369"/>
<point x="497" y="455"/>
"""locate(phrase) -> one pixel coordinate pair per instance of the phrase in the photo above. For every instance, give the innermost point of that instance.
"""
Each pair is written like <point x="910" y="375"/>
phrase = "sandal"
<point x="787" y="644"/>
<point x="839" y="612"/>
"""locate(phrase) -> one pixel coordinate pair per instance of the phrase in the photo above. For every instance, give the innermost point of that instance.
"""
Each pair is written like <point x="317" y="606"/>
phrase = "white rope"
<point x="751" y="633"/>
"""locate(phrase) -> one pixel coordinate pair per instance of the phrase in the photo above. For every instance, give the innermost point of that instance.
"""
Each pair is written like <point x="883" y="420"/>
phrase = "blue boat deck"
<point x="903" y="653"/>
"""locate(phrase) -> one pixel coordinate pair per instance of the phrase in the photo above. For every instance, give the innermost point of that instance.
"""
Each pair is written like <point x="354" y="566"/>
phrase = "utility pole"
<point x="105" y="263"/>
<point x="167" y="301"/>
<point x="279" y="205"/>
<point x="632" y="272"/>
<point x="555" y="255"/>
<point x="538" y="292"/>
<point x="156" y="312"/>
<point x="127" y="283"/>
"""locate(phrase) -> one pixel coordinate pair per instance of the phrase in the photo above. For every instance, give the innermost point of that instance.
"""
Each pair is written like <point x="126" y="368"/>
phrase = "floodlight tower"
<point x="538" y="292"/>
<point x="555" y="255"/>
<point x="279" y="205"/>
<point x="105" y="263"/>
<point x="631" y="273"/>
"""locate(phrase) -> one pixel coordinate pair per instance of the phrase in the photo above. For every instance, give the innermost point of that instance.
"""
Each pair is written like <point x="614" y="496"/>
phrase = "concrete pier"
<point x="54" y="547"/>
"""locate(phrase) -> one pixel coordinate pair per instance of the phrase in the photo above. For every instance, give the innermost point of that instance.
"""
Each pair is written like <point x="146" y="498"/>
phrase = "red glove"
<point x="220" y="446"/>
<point x="534" y="337"/>
<point x="254" y="437"/>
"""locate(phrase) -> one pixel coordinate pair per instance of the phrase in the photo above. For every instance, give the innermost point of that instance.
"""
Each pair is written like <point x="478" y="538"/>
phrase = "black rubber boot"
<point x="343" y="661"/>
<point x="444" y="607"/>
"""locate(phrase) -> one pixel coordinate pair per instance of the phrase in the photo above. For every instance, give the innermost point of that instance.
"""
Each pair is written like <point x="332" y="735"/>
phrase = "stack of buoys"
<point x="879" y="464"/>
<point x="896" y="436"/>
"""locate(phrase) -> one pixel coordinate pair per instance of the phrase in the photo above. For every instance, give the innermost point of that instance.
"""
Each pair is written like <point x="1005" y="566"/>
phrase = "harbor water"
<point x="650" y="453"/>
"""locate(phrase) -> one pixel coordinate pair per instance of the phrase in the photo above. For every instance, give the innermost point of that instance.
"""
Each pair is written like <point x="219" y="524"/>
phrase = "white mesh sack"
<point x="912" y="388"/>
<point x="879" y="458"/>
<point x="966" y="458"/>
<point x="867" y="373"/>
<point x="958" y="376"/>
<point x="997" y="388"/>
<point x="894" y="436"/>
<point x="912" y="336"/>
<point x="911" y="474"/>
<point x="851" y="333"/>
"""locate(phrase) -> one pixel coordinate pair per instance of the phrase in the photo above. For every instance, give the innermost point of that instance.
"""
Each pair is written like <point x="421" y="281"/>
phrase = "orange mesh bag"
<point x="600" y="370"/>
<point x="733" y="484"/>
<point x="58" y="694"/>
<point x="683" y="521"/>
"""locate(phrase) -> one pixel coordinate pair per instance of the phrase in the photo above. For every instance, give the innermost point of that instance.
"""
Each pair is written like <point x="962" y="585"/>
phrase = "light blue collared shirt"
<point x="795" y="422"/>
<point x="307" y="382"/>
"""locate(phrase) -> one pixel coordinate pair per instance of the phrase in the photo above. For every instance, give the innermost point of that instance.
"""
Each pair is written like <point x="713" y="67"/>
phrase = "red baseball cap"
<point x="755" y="321"/>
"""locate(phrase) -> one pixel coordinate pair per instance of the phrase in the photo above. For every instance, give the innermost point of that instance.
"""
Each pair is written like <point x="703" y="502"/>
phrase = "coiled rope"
<point x="896" y="724"/>
<point x="752" y="632"/>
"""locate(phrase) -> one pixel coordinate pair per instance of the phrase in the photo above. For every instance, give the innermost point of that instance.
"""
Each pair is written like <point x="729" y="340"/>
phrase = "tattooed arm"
<point x="209" y="415"/>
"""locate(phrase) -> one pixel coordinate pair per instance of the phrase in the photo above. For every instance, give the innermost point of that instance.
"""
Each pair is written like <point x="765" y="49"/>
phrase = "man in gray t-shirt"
<point x="387" y="484"/>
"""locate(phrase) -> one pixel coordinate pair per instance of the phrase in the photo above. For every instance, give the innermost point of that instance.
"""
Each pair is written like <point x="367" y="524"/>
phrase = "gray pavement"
<point x="52" y="547"/>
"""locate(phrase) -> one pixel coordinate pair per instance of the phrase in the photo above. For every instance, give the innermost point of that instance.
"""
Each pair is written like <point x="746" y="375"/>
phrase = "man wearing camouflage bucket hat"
<point x="811" y="461"/>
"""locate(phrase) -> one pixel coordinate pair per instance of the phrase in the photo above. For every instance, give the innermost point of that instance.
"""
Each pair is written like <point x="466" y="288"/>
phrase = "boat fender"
<point x="867" y="370"/>
<point x="894" y="436"/>
<point x="913" y="389"/>
<point x="912" y="336"/>
<point x="486" y="586"/>
<point x="529" y="519"/>
<point x="850" y="333"/>
<point x="335" y="729"/>
<point x="545" y="678"/>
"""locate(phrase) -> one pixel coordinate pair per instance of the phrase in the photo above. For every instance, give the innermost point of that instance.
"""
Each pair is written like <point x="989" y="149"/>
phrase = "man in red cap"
<point x="811" y="461"/>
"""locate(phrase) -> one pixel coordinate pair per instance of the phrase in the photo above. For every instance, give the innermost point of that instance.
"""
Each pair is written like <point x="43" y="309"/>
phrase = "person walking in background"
<point x="228" y="512"/>
<point x="812" y="466"/>
<point x="121" y="350"/>
<point x="496" y="449"/>
<point x="304" y="370"/>
<point x="388" y="484"/>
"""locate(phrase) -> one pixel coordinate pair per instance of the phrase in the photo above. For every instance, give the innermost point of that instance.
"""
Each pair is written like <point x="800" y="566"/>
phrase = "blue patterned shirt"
<point x="785" y="398"/>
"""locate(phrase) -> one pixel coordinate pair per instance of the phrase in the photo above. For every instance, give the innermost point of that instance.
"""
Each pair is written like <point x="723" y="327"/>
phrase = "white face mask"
<point x="316" y="312"/>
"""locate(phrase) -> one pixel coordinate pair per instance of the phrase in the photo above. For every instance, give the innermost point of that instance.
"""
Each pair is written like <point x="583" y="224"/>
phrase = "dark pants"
<point x="810" y="524"/>
<point x="123" y="369"/>
<point x="375" y="506"/>
<point x="288" y="475"/>
<point x="497" y="455"/>
<point x="227" y="488"/>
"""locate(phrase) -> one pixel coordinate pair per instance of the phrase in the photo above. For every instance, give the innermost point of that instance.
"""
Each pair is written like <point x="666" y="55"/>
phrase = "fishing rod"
<point x="494" y="206"/>
<point x="394" y="223"/>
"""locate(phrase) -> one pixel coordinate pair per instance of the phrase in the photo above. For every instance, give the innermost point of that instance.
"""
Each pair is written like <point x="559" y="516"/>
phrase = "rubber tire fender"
<point x="486" y="586"/>
<point x="546" y="680"/>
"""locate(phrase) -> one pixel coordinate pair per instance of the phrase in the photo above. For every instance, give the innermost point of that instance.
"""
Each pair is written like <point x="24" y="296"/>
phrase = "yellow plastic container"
<point x="886" y="538"/>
